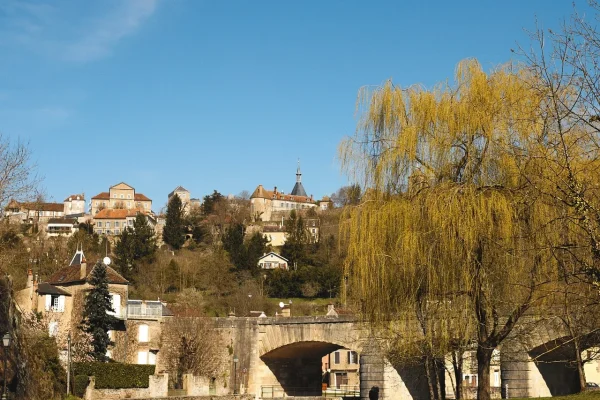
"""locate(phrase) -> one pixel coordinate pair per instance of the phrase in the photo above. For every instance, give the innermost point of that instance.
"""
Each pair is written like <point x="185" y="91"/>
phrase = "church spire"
<point x="298" y="173"/>
<point x="298" y="189"/>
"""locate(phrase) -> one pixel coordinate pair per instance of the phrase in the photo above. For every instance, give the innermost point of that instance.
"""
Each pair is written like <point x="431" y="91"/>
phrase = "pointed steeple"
<point x="79" y="257"/>
<point x="298" y="189"/>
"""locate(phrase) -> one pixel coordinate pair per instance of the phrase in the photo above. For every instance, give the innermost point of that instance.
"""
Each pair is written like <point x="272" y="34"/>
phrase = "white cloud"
<point x="60" y="33"/>
<point x="109" y="30"/>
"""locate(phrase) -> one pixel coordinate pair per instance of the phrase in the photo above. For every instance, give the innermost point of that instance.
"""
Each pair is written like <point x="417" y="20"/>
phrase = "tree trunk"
<point x="580" y="370"/>
<point x="484" y="361"/>
<point x="429" y="378"/>
<point x="457" y="365"/>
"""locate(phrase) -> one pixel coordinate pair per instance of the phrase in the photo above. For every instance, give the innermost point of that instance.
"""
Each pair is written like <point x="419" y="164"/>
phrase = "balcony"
<point x="144" y="309"/>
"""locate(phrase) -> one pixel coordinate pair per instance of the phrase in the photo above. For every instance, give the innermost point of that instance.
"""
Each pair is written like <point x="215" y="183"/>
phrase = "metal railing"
<point x="144" y="310"/>
<point x="276" y="391"/>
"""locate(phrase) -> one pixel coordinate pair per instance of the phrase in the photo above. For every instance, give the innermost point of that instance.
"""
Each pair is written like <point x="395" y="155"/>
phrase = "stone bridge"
<point x="287" y="352"/>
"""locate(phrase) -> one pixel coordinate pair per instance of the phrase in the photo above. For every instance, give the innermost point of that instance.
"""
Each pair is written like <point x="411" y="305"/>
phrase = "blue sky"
<point x="224" y="94"/>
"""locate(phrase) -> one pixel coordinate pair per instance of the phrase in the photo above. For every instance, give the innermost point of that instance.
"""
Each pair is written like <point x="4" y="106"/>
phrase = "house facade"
<point x="187" y="202"/>
<point x="273" y="261"/>
<point x="265" y="204"/>
<point x="61" y="227"/>
<point x="74" y="205"/>
<point x="60" y="302"/>
<point x="120" y="196"/>
<point x="33" y="212"/>
<point x="113" y="222"/>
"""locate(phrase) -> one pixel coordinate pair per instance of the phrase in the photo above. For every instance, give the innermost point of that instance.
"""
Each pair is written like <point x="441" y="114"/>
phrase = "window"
<point x="130" y="222"/>
<point x="152" y="358"/>
<point x="114" y="196"/>
<point x="496" y="378"/>
<point x="122" y="196"/>
<point x="116" y="224"/>
<point x="55" y="303"/>
<point x="99" y="224"/>
<point x="143" y="333"/>
<point x="142" y="357"/>
<point x="129" y="196"/>
<point x="53" y="328"/>
<point x="336" y="357"/>
<point x="352" y="357"/>
<point x="117" y="232"/>
<point x="128" y="204"/>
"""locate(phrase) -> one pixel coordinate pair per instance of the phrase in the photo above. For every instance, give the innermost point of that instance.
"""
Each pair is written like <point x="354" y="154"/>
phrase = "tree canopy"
<point x="96" y="319"/>
<point x="174" y="230"/>
<point x="449" y="220"/>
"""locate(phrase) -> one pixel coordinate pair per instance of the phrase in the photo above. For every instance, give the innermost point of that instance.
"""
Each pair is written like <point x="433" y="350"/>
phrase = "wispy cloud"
<point x="78" y="37"/>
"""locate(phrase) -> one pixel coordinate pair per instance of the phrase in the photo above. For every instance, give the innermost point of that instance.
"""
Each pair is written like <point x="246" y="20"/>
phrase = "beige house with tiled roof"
<point x="33" y="211"/>
<point x="264" y="203"/>
<point x="74" y="205"/>
<point x="112" y="222"/>
<point x="60" y="301"/>
<point x="120" y="196"/>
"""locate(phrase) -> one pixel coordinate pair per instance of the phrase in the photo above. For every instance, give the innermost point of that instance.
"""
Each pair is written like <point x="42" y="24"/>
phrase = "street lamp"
<point x="69" y="363"/>
<point x="5" y="343"/>
<point x="235" y="361"/>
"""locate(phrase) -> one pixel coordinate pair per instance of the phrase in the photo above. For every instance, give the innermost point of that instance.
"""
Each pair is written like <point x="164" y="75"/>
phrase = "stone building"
<point x="120" y="196"/>
<point x="112" y="222"/>
<point x="74" y="205"/>
<point x="60" y="302"/>
<point x="33" y="211"/>
<point x="265" y="204"/>
<point x="187" y="202"/>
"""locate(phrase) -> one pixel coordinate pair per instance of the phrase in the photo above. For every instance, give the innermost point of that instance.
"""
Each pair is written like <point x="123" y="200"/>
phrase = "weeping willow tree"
<point x="451" y="239"/>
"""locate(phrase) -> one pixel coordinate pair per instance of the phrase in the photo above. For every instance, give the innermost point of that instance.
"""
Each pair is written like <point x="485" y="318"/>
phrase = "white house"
<point x="273" y="261"/>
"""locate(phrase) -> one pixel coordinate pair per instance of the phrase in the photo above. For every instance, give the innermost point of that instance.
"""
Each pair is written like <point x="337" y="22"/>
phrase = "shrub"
<point x="80" y="383"/>
<point x="116" y="375"/>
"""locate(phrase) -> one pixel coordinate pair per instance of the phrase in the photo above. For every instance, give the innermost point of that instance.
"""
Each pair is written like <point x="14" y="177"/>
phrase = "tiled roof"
<point x="102" y="196"/>
<point x="121" y="213"/>
<point x="75" y="197"/>
<point x="46" y="288"/>
<point x="273" y="254"/>
<point x="106" y="196"/>
<point x="260" y="192"/>
<point x="72" y="274"/>
<point x="298" y="190"/>
<point x="56" y="207"/>
<point x="178" y="189"/>
<point x="122" y="183"/>
<point x="141" y="197"/>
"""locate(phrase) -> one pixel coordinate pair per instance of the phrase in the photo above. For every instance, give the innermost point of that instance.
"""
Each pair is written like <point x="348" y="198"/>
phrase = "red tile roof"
<point x="109" y="213"/>
<point x="34" y="205"/>
<point x="260" y="192"/>
<point x="141" y="197"/>
<point x="106" y="196"/>
<point x="102" y="196"/>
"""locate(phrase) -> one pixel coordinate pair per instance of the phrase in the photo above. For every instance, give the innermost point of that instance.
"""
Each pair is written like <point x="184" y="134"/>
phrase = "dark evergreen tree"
<point x="296" y="241"/>
<point x="256" y="247"/>
<point x="233" y="243"/>
<point x="136" y="244"/>
<point x="96" y="320"/>
<point x="209" y="202"/>
<point x="174" y="231"/>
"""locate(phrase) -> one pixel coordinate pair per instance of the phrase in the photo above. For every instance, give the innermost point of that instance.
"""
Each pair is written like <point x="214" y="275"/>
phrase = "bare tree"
<point x="192" y="346"/>
<point x="18" y="179"/>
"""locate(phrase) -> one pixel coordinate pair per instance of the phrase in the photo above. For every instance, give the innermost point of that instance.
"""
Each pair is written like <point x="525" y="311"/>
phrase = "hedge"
<point x="80" y="383"/>
<point x="116" y="375"/>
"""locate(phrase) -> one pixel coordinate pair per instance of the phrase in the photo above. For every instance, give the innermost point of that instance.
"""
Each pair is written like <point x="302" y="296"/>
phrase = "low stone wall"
<point x="225" y="397"/>
<point x="158" y="387"/>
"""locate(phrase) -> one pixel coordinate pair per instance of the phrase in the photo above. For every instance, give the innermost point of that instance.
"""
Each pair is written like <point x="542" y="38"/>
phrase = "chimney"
<point x="29" y="278"/>
<point x="83" y="270"/>
<point x="311" y="197"/>
<point x="275" y="190"/>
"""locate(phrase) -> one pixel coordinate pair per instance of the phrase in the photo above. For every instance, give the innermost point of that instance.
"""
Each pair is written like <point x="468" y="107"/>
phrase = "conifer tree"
<point x="173" y="233"/>
<point x="134" y="245"/>
<point x="296" y="240"/>
<point x="96" y="320"/>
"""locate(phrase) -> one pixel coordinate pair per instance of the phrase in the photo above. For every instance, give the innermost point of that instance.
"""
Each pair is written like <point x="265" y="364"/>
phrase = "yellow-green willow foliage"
<point x="451" y="240"/>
